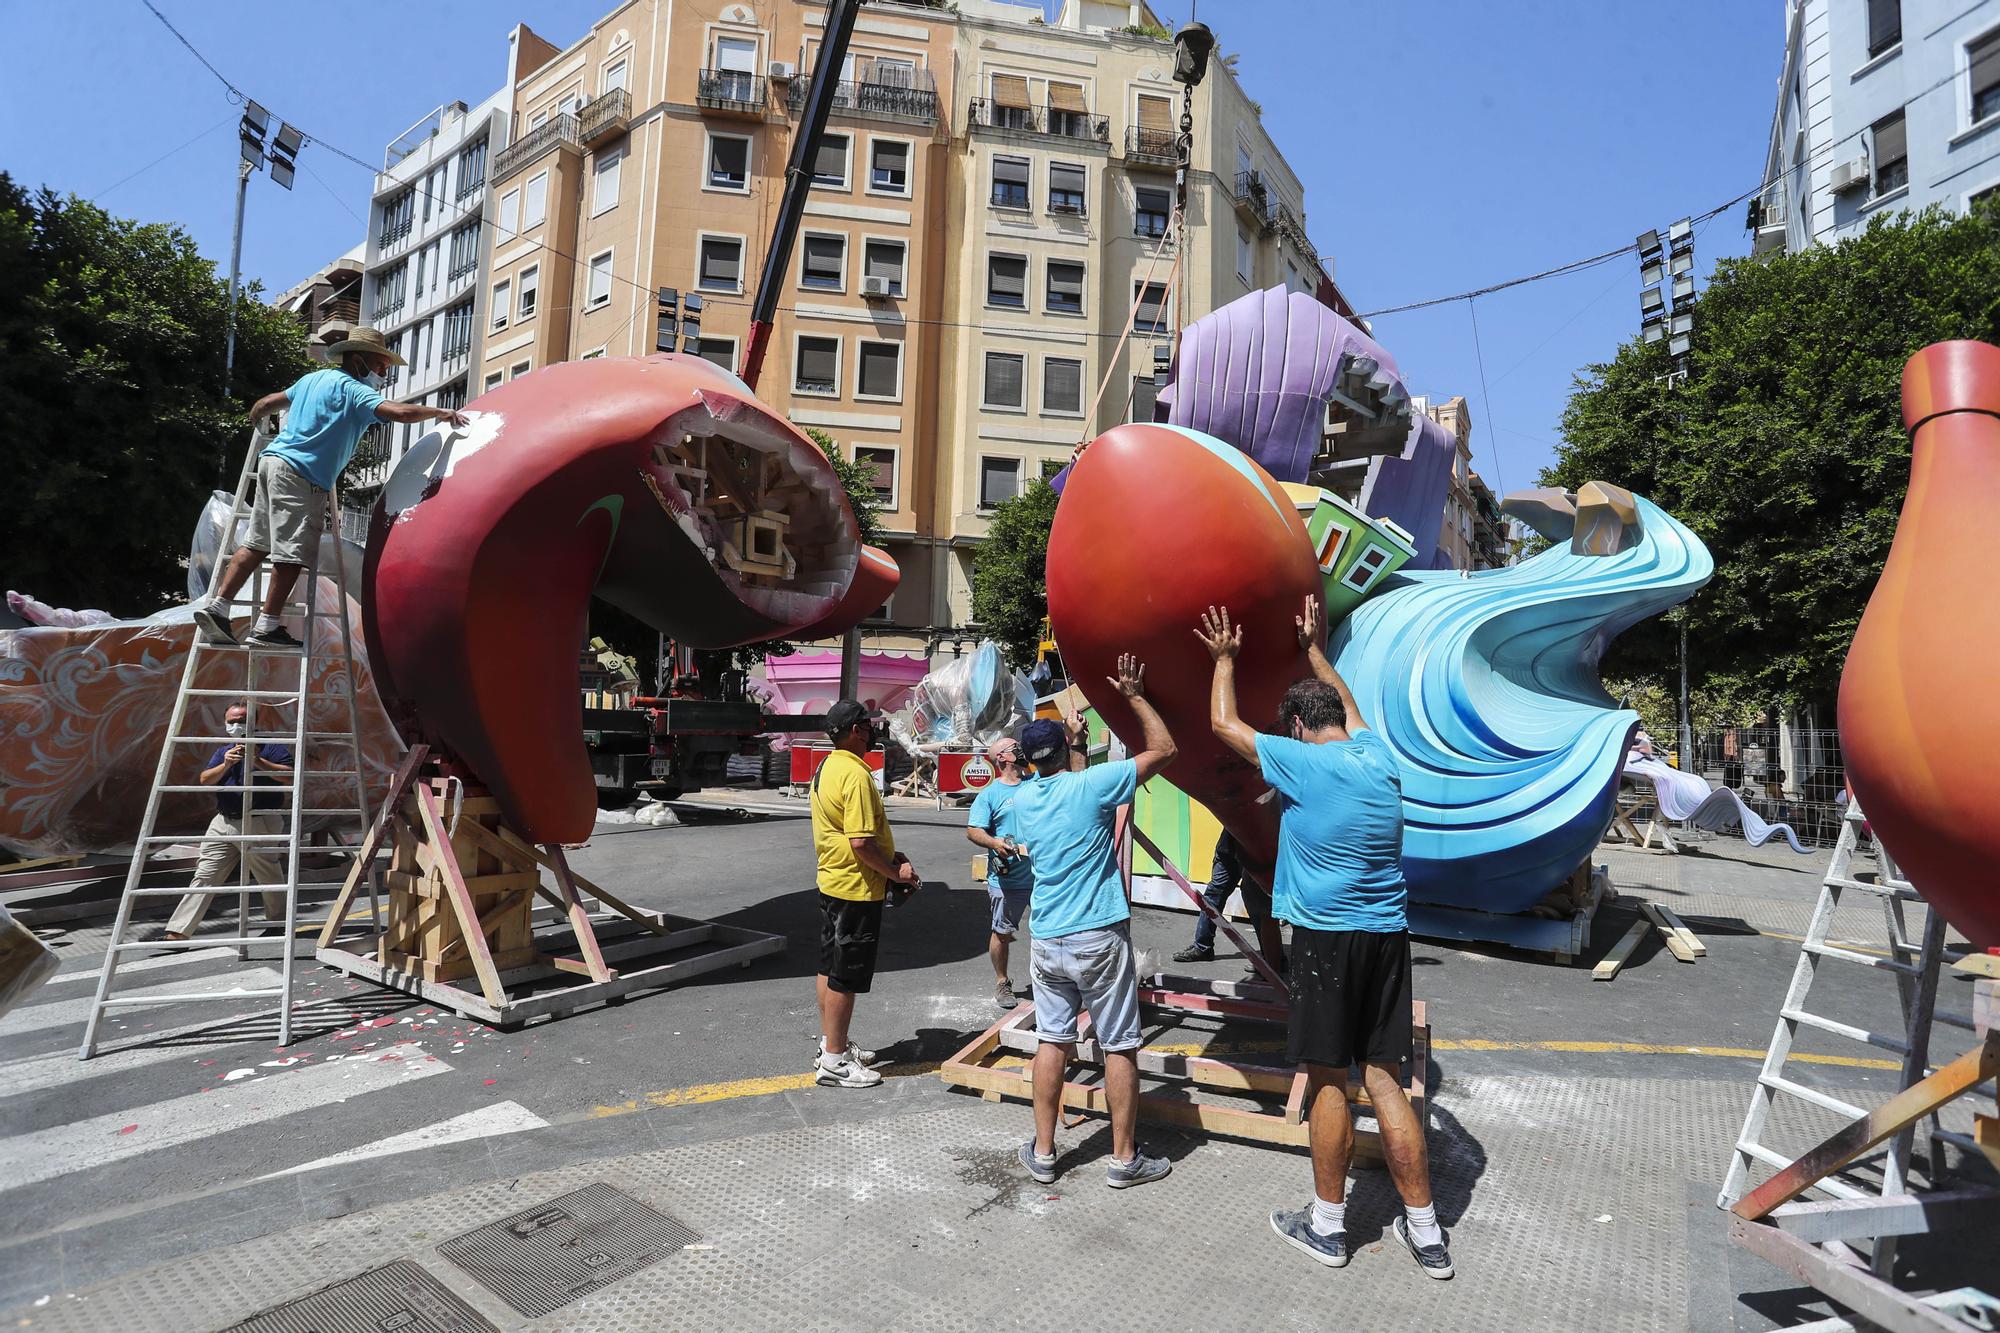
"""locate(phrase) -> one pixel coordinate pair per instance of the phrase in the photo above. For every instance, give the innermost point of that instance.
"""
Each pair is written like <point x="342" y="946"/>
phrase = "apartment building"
<point x="651" y="154"/>
<point x="1882" y="105"/>
<point x="329" y="302"/>
<point x="423" y="283"/>
<point x="1061" y="194"/>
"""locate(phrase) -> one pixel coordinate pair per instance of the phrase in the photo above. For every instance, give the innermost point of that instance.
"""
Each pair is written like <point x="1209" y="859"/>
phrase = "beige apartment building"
<point x="991" y="198"/>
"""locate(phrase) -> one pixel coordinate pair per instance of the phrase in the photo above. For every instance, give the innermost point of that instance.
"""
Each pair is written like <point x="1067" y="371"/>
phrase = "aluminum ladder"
<point x="1915" y="965"/>
<point x="263" y="672"/>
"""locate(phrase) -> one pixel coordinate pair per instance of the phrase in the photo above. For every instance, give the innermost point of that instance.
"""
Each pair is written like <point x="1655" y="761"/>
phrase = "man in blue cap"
<point x="1081" y="925"/>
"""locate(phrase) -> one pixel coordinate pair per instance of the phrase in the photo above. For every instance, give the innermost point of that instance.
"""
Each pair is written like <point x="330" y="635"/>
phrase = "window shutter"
<point x="1010" y="170"/>
<point x="1066" y="282"/>
<point x="878" y="368"/>
<point x="1010" y="90"/>
<point x="1067" y="97"/>
<point x="1890" y="140"/>
<point x="831" y="163"/>
<point x="1885" y="25"/>
<point x="1062" y="385"/>
<point x="1156" y="113"/>
<point x="816" y="360"/>
<point x="1003" y="379"/>
<point x="721" y="263"/>
<point x="1067" y="176"/>
<point x="883" y="261"/>
<point x="1008" y="277"/>
<point x="1985" y="65"/>
<point x="823" y="258"/>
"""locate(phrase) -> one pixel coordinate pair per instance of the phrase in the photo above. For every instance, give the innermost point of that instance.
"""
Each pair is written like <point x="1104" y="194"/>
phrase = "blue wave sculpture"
<point x="1485" y="685"/>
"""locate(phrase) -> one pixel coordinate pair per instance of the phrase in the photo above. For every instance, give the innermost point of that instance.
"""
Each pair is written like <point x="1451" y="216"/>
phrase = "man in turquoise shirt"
<point x="329" y="410"/>
<point x="1082" y="949"/>
<point x="1339" y="882"/>
<point x="1009" y="878"/>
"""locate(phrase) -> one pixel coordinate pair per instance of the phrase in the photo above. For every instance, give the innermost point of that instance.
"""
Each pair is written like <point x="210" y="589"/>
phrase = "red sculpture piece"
<point x="1919" y="716"/>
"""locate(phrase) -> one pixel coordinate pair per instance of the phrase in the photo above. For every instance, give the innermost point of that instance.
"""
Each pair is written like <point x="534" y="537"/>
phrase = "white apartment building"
<point x="425" y="274"/>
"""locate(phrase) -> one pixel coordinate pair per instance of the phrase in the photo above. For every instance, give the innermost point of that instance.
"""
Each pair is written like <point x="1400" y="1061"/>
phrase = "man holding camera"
<point x="858" y="862"/>
<point x="1009" y="878"/>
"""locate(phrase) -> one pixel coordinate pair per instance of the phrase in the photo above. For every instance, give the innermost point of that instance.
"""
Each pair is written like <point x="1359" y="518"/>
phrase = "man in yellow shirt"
<point x="857" y="862"/>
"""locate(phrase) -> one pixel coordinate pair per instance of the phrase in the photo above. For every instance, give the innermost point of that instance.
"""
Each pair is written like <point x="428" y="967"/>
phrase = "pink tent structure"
<point x="809" y="681"/>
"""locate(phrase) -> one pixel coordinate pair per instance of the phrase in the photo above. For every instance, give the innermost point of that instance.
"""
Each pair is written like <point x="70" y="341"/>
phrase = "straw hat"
<point x="364" y="339"/>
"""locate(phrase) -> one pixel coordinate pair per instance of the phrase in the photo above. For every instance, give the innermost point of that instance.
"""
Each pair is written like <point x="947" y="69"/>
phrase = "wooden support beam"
<point x="399" y="787"/>
<point x="1613" y="961"/>
<point x="1673" y="922"/>
<point x="653" y="921"/>
<point x="1824" y="1220"/>
<point x="1676" y="945"/>
<point x="1223" y="923"/>
<point x="461" y="900"/>
<point x="1911" y="1104"/>
<point x="579" y="920"/>
<point x="1853" y="1286"/>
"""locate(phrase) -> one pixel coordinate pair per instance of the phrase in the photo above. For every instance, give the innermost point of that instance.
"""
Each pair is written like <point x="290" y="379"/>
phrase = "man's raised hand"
<point x="1312" y="634"/>
<point x="1131" y="678"/>
<point x="1222" y="639"/>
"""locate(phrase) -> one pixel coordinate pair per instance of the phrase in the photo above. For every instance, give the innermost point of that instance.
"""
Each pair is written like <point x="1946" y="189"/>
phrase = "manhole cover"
<point x="545" y="1257"/>
<point x="399" y="1296"/>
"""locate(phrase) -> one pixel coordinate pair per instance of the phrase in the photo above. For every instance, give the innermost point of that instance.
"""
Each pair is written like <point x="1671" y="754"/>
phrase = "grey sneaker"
<point x="1043" y="1169"/>
<point x="273" y="640"/>
<point x="1435" y="1260"/>
<point x="1140" y="1170"/>
<point x="842" y="1071"/>
<point x="854" y="1052"/>
<point x="1003" y="994"/>
<point x="212" y="618"/>
<point x="1195" y="953"/>
<point x="1295" y="1229"/>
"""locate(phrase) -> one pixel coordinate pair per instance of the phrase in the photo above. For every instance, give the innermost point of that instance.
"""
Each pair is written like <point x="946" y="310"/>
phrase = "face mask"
<point x="375" y="381"/>
<point x="234" y="728"/>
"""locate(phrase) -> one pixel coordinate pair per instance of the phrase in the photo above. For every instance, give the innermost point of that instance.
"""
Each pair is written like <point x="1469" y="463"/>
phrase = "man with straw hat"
<point x="329" y="410"/>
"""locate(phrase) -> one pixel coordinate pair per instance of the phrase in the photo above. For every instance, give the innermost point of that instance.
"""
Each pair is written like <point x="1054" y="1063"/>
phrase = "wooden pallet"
<point x="993" y="1064"/>
<point x="1566" y="935"/>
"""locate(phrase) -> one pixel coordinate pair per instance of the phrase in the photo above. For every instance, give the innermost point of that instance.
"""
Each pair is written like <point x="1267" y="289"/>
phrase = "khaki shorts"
<point x="288" y="515"/>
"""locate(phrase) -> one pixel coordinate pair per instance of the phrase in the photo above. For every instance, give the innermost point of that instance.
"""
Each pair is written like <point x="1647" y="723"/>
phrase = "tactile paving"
<point x="544" y="1257"/>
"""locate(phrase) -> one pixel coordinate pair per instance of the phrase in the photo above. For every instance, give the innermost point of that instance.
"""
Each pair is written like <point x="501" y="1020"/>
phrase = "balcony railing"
<point x="737" y="91"/>
<point x="915" y="102"/>
<point x="1151" y="147"/>
<point x="553" y="133"/>
<point x="604" y="117"/>
<point x="1290" y="228"/>
<point x="985" y="113"/>
<point x="1254" y="200"/>
<point x="346" y="310"/>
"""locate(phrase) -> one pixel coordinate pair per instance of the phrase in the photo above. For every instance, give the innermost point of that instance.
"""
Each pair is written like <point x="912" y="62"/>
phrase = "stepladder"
<point x="1915" y="959"/>
<point x="262" y="766"/>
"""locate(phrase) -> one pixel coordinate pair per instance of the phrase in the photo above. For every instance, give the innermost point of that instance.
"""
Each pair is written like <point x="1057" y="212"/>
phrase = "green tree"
<point x="1010" y="592"/>
<point x="858" y="479"/>
<point x="1784" y="450"/>
<point x="111" y="350"/>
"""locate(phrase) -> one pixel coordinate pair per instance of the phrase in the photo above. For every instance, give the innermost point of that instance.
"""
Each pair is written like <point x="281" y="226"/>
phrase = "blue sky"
<point x="1444" y="145"/>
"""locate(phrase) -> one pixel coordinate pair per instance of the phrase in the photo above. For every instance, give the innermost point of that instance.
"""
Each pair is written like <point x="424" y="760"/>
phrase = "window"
<point x="520" y="368"/>
<point x="729" y="164"/>
<point x="825" y="264"/>
<point x="1151" y="206"/>
<point x="614" y="77"/>
<point x="1065" y="293"/>
<point x="1144" y="394"/>
<point x="1010" y="182"/>
<point x="1885" y="25"/>
<point x="1362" y="576"/>
<point x="1051" y="467"/>
<point x="494" y="381"/>
<point x="1892" y="161"/>
<point x="878" y="370"/>
<point x="427" y="194"/>
<point x="884" y="260"/>
<point x="888" y="167"/>
<point x="1069" y="114"/>
<point x="535" y="203"/>
<point x="604" y="181"/>
<point x="1246" y="258"/>
<point x="1983" y="56"/>
<point x="1007" y="281"/>
<point x="816" y="368"/>
<point x="390" y="289"/>
<point x="1066" y="183"/>
<point x="1062" y="386"/>
<point x="458" y="330"/>
<point x="1003" y="386"/>
<point x="720" y="266"/>
<point x="1011" y="109"/>
<point x="736" y="54"/>
<point x="1152" y="299"/>
<point x="397" y="216"/>
<point x="422" y="255"/>
<point x="464" y="250"/>
<point x="599" y="292"/>
<point x="472" y="169"/>
<point x="830" y="164"/>
<point x="882" y="459"/>
<point x="1983" y="198"/>
<point x="720" y="352"/>
<point x="502" y="305"/>
<point x="531" y="290"/>
<point x="999" y="480"/>
<point x="509" y="221"/>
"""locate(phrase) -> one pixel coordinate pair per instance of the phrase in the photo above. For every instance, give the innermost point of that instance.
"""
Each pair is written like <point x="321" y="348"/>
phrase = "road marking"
<point x="26" y="1159"/>
<point x="58" y="1013"/>
<point x="93" y="972"/>
<point x="731" y="1089"/>
<point x="1650" y="1048"/>
<point x="499" y="1118"/>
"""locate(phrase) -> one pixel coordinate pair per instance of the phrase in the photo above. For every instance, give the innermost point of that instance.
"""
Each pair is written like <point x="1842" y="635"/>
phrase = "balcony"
<point x="1253" y="200"/>
<point x="914" y="102"/>
<point x="604" y="118"/>
<point x="1082" y="127"/>
<point x="554" y="133"/>
<point x="732" y="92"/>
<point x="1291" y="228"/>
<point x="1150" y="148"/>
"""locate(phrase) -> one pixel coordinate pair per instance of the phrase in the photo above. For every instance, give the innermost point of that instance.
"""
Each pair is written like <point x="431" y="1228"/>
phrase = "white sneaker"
<point x="854" y="1052"/>
<point x="843" y="1071"/>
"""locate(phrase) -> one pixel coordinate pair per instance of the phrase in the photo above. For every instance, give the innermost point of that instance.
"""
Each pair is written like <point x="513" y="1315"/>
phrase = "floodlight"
<point x="1682" y="230"/>
<point x="1682" y="262"/>
<point x="289" y="141"/>
<point x="1652" y="274"/>
<point x="1680" y="345"/>
<point x="1681" y="323"/>
<point x="1683" y="289"/>
<point x="256" y="120"/>
<point x="1649" y="241"/>
<point x="1653" y="333"/>
<point x="1650" y="299"/>
<point x="691" y="303"/>
<point x="282" y="172"/>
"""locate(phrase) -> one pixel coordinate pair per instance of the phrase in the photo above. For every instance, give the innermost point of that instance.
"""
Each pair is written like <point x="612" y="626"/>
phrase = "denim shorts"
<point x="1009" y="906"/>
<point x="1094" y="971"/>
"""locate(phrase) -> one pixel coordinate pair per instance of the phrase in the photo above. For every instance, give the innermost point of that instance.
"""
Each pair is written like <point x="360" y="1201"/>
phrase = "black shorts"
<point x="1350" y="997"/>
<point x="849" y="932"/>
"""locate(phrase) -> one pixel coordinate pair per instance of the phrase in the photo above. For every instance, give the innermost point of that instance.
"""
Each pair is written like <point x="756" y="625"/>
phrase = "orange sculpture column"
<point x="1920" y="695"/>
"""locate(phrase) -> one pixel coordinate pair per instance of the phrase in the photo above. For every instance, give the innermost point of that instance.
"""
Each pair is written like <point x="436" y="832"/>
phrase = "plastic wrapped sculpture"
<point x="662" y="485"/>
<point x="1919" y="717"/>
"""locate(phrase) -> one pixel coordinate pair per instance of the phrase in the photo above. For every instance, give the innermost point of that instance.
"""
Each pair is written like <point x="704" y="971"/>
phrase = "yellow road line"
<point x="732" y="1089"/>
<point x="1650" y="1048"/>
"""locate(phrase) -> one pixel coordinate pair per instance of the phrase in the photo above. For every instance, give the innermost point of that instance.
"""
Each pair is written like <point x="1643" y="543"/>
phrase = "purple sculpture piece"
<point x="1408" y="489"/>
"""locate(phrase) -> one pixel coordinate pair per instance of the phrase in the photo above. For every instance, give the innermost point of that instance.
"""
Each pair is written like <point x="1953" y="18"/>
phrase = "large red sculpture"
<point x="1919" y="714"/>
<point x="1209" y="540"/>
<point x="660" y="484"/>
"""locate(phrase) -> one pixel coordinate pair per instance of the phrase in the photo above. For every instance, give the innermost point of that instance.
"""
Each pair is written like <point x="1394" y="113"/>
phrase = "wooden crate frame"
<point x="976" y="1066"/>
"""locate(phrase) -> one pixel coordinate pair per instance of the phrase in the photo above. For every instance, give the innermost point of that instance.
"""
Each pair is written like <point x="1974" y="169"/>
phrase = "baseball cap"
<point x="1043" y="739"/>
<point x="844" y="717"/>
